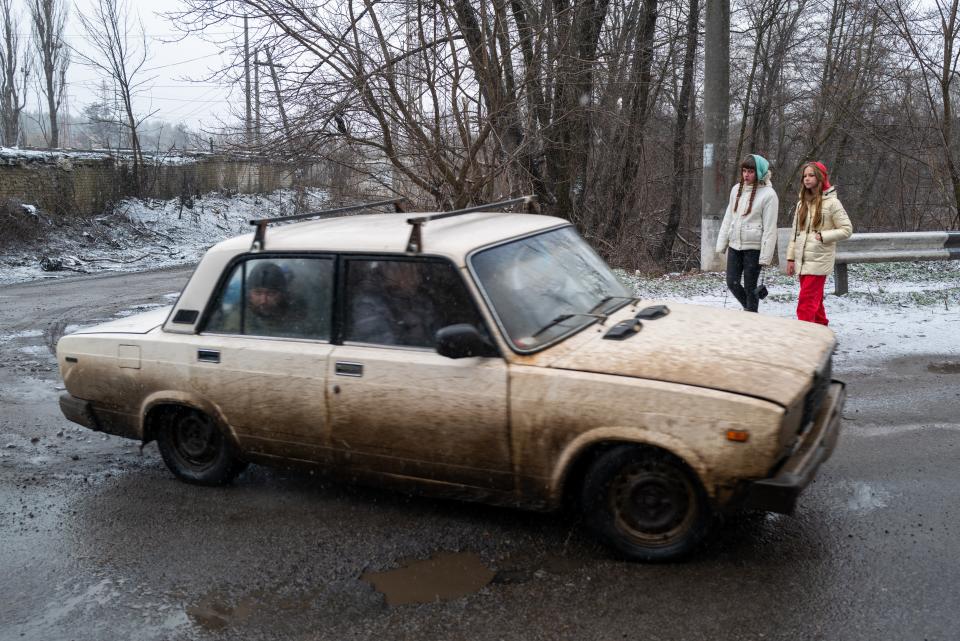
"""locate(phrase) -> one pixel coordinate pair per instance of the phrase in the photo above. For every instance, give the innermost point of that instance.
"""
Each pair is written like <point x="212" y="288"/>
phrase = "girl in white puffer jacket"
<point x="749" y="230"/>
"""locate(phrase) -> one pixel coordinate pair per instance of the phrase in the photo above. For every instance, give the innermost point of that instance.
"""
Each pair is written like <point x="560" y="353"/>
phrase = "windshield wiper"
<point x="592" y="313"/>
<point x="563" y="317"/>
<point x="607" y="299"/>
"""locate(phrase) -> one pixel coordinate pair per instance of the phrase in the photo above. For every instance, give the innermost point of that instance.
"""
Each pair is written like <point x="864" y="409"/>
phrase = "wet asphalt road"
<point x="99" y="542"/>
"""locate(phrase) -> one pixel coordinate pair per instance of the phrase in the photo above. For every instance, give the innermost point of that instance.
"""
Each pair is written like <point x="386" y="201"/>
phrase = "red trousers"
<point x="810" y="303"/>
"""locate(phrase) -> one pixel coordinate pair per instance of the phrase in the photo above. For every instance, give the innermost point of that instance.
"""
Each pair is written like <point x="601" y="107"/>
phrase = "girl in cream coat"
<point x="749" y="230"/>
<point x="819" y="223"/>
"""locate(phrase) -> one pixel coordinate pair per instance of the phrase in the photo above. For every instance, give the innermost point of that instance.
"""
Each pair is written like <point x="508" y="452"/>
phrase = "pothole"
<point x="443" y="577"/>
<point x="944" y="367"/>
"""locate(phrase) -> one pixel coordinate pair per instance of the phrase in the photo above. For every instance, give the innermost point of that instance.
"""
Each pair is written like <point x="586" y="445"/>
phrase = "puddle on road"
<point x="30" y="333"/>
<point x="867" y="498"/>
<point x="445" y="576"/>
<point x="944" y="367"/>
<point x="213" y="612"/>
<point x="21" y="391"/>
<point x="216" y="610"/>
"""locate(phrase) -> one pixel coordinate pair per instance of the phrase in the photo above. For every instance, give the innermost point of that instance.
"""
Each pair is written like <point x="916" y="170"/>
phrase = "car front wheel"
<point x="645" y="503"/>
<point x="197" y="451"/>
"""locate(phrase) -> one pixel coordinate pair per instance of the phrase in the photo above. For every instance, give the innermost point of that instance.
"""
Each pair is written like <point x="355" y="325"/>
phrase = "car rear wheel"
<point x="645" y="503"/>
<point x="197" y="451"/>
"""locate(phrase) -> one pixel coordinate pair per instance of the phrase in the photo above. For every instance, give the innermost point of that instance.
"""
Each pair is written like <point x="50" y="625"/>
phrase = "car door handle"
<point x="348" y="369"/>
<point x="208" y="355"/>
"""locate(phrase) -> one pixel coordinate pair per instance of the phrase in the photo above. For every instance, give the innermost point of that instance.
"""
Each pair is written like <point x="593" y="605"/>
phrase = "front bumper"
<point x="779" y="493"/>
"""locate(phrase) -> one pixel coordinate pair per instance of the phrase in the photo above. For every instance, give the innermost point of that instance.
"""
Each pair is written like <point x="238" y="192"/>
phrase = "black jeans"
<point x="744" y="263"/>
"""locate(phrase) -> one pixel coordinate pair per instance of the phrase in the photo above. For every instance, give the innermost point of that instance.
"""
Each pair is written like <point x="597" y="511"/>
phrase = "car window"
<point x="276" y="297"/>
<point x="404" y="302"/>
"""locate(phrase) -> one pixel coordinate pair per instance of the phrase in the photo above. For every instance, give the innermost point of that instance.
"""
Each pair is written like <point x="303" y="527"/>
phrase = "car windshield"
<point x="546" y="286"/>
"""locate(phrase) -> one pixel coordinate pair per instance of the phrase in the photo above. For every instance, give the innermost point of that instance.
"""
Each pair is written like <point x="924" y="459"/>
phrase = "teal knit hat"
<point x="763" y="166"/>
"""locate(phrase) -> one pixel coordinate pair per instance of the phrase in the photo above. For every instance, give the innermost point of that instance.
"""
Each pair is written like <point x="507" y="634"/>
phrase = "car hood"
<point x="760" y="356"/>
<point x="134" y="324"/>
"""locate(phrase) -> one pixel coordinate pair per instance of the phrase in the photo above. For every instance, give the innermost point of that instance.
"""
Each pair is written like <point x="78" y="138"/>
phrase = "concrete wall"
<point x="82" y="184"/>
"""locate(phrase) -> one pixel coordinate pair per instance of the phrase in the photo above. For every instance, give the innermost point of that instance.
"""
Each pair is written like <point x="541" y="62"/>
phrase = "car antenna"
<point x="415" y="243"/>
<point x="260" y="236"/>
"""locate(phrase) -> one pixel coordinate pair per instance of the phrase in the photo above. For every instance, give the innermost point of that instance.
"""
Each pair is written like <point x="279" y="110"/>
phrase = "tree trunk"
<point x="568" y="138"/>
<point x="630" y="141"/>
<point x="680" y="135"/>
<point x="52" y="108"/>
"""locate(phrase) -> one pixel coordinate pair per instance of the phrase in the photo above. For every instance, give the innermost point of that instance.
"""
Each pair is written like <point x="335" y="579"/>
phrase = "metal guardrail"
<point x="884" y="247"/>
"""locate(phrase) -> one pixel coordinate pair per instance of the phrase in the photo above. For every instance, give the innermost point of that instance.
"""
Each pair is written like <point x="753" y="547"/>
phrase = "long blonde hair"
<point x="808" y="200"/>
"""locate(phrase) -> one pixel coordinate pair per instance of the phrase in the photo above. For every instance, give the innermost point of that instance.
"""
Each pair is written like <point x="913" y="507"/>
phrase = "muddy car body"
<point x="510" y="367"/>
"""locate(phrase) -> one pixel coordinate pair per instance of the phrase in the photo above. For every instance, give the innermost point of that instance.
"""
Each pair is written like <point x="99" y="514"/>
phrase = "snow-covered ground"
<point x="893" y="309"/>
<point x="148" y="234"/>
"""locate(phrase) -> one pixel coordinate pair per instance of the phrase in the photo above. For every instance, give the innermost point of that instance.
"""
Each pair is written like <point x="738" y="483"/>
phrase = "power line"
<point x="87" y="36"/>
<point x="176" y="64"/>
<point x="183" y="99"/>
<point x="186" y="105"/>
<point x="96" y="83"/>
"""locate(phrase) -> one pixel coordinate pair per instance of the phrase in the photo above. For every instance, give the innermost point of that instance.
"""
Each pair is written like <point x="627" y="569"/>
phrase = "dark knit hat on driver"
<point x="266" y="276"/>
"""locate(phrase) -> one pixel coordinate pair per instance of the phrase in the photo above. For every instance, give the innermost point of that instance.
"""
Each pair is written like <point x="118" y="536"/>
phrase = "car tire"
<point x="197" y="451"/>
<point x="645" y="503"/>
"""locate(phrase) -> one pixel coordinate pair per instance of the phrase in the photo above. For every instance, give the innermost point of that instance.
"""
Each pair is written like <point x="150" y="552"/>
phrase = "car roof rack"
<point x="260" y="236"/>
<point x="415" y="243"/>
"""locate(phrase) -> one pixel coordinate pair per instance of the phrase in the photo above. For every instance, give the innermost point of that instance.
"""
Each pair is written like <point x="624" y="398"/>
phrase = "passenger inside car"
<point x="283" y="298"/>
<point x="389" y="305"/>
<point x="271" y="311"/>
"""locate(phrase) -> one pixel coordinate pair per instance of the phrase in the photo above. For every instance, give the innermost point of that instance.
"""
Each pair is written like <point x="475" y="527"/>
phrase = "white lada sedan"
<point x="475" y="354"/>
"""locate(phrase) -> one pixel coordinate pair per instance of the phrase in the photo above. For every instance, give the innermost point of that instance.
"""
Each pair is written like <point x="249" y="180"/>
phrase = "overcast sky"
<point x="181" y="91"/>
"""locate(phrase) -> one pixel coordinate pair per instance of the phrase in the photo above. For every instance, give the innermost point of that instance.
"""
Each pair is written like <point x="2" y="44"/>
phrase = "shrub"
<point x="20" y="222"/>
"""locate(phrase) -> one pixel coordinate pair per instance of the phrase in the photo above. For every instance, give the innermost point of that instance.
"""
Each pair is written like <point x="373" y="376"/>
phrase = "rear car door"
<point x="396" y="405"/>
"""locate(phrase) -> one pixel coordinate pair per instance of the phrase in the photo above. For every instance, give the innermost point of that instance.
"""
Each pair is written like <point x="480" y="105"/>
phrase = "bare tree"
<point x="592" y="104"/>
<point x="99" y="124"/>
<point x="933" y="38"/>
<point x="120" y="54"/>
<point x="628" y="93"/>
<point x="680" y="133"/>
<point x="772" y="28"/>
<point x="14" y="75"/>
<point x="48" y="18"/>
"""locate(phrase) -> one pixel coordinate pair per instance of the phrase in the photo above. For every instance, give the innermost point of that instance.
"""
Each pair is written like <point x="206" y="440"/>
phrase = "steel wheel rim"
<point x="196" y="441"/>
<point x="652" y="505"/>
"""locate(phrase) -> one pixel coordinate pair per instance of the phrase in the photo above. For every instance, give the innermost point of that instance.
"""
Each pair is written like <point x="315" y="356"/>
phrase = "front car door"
<point x="396" y="405"/>
<point x="262" y="353"/>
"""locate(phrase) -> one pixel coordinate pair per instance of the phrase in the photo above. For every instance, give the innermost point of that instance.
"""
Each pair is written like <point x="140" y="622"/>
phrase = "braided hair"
<point x="748" y="163"/>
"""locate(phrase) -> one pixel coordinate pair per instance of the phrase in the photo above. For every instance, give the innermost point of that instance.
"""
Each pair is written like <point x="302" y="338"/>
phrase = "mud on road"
<point x="98" y="541"/>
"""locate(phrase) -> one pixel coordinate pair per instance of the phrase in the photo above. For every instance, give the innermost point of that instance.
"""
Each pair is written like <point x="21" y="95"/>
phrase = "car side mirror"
<point x="462" y="341"/>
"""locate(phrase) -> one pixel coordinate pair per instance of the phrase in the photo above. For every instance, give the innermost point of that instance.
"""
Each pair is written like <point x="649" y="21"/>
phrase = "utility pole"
<point x="246" y="75"/>
<point x="716" y="118"/>
<point x="256" y="95"/>
<point x="116" y="116"/>
<point x="65" y="126"/>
